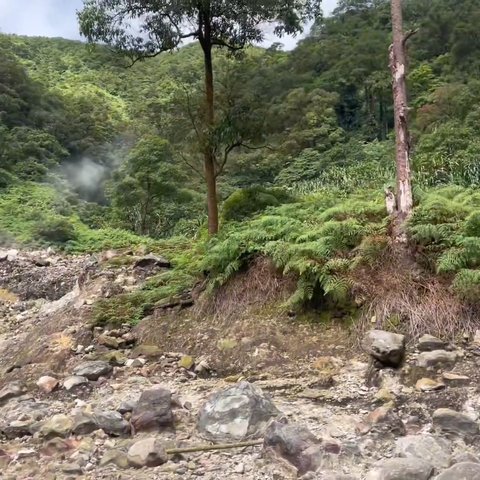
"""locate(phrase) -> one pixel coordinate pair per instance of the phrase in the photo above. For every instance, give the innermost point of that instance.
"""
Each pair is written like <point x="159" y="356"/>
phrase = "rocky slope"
<point x="77" y="402"/>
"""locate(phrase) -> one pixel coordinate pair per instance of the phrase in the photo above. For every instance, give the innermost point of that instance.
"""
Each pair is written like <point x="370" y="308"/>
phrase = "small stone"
<point x="455" y="380"/>
<point x="114" y="457"/>
<point x="148" y="351"/>
<point x="135" y="362"/>
<point x="429" y="385"/>
<point x="74" y="381"/>
<point x="93" y="370"/>
<point x="107" y="341"/>
<point x="451" y="421"/>
<point x="437" y="359"/>
<point x="80" y="349"/>
<point x="47" y="384"/>
<point x="386" y="347"/>
<point x="401" y="469"/>
<point x="186" y="362"/>
<point x="148" y="452"/>
<point x="384" y="395"/>
<point x="239" y="468"/>
<point x="202" y="367"/>
<point x="461" y="471"/>
<point x="428" y="343"/>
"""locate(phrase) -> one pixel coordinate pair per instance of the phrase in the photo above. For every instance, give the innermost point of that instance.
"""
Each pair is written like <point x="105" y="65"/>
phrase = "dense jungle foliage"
<point x="97" y="154"/>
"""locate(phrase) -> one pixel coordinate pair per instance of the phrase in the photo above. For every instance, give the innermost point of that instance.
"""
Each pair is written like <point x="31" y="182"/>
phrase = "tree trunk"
<point x="209" y="154"/>
<point x="404" y="197"/>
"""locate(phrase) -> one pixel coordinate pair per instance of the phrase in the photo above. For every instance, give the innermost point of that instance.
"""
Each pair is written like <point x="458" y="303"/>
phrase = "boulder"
<point x="436" y="359"/>
<point x="461" y="471"/>
<point x="237" y="413"/>
<point x="57" y="426"/>
<point x="153" y="410"/>
<point x="74" y="381"/>
<point x="386" y="347"/>
<point x="84" y="423"/>
<point x="93" y="370"/>
<point x="148" y="452"/>
<point x="111" y="422"/>
<point x="451" y="421"/>
<point x="433" y="450"/>
<point x="401" y="469"/>
<point x="428" y="343"/>
<point x="108" y="341"/>
<point x="296" y="444"/>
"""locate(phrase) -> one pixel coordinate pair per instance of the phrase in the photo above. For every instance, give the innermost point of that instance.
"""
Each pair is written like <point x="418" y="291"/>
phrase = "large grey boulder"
<point x="433" y="450"/>
<point x="93" y="370"/>
<point x="148" y="452"/>
<point x="296" y="444"/>
<point x="386" y="347"/>
<point x="237" y="413"/>
<point x="448" y="420"/>
<point x="461" y="471"/>
<point x="401" y="469"/>
<point x="153" y="410"/>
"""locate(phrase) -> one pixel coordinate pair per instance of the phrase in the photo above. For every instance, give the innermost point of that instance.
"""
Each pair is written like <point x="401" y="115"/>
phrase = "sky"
<point x="57" y="18"/>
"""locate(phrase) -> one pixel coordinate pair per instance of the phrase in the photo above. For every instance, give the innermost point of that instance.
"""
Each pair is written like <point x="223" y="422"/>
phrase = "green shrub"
<point x="248" y="201"/>
<point x="55" y="229"/>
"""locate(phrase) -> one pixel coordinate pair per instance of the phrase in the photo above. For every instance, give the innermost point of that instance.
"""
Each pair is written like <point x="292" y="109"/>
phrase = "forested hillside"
<point x="95" y="151"/>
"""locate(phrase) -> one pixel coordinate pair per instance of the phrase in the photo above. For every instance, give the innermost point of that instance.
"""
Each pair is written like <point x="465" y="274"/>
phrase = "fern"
<point x="467" y="285"/>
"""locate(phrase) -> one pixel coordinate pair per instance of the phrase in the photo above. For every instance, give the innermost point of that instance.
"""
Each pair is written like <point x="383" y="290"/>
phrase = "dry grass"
<point x="399" y="296"/>
<point x="260" y="285"/>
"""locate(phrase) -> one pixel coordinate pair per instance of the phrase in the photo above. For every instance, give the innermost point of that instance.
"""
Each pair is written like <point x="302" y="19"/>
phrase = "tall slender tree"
<point x="398" y="66"/>
<point x="145" y="28"/>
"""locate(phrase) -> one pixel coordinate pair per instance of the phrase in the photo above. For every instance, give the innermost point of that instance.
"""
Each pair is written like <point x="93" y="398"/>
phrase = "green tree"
<point x="164" y="25"/>
<point x="146" y="191"/>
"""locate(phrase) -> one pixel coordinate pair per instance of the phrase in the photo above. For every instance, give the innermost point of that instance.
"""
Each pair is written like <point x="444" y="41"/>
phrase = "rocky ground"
<point x="77" y="402"/>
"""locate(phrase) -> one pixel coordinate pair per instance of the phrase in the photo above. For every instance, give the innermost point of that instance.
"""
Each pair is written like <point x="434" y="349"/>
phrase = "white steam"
<point x="85" y="175"/>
